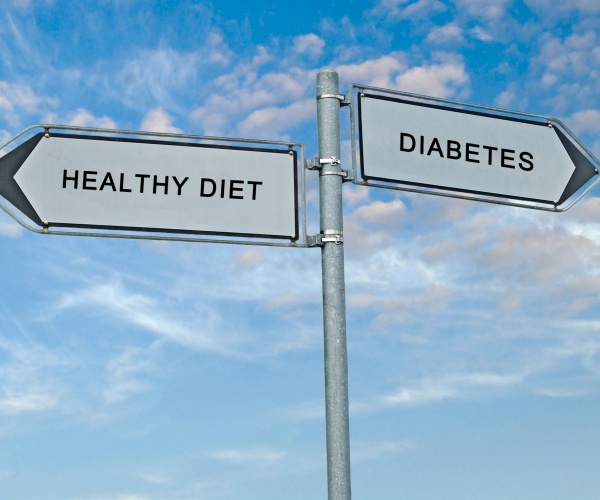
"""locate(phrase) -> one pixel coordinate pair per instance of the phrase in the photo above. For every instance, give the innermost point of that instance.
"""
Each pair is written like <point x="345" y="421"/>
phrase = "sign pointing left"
<point x="105" y="182"/>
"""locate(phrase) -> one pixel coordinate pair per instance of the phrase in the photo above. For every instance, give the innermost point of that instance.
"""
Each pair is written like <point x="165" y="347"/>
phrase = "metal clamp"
<point x="343" y="98"/>
<point x="346" y="175"/>
<point x="326" y="236"/>
<point x="316" y="162"/>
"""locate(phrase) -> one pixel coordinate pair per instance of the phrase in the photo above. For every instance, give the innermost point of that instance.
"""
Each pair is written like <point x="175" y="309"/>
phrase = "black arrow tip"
<point x="9" y="166"/>
<point x="584" y="169"/>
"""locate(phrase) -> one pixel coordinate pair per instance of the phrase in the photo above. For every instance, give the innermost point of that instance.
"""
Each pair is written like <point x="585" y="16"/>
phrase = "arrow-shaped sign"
<point x="106" y="182"/>
<point x="470" y="150"/>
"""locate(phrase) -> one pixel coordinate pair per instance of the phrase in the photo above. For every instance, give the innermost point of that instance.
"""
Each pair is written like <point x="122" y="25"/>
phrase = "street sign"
<point x="435" y="144"/>
<point x="112" y="182"/>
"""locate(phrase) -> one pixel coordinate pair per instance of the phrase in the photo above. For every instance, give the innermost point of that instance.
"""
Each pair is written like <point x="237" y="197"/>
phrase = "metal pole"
<point x="334" y="290"/>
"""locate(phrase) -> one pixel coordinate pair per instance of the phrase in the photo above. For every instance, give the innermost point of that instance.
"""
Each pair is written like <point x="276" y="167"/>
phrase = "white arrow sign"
<point x="446" y="147"/>
<point x="105" y="182"/>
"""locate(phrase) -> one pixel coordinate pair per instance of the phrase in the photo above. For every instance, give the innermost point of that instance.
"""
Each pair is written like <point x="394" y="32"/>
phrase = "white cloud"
<point x="218" y="51"/>
<point x="428" y="391"/>
<point x="5" y="135"/>
<point x="587" y="120"/>
<point x="11" y="229"/>
<point x="238" y="94"/>
<point x="17" y="100"/>
<point x="485" y="245"/>
<point x="145" y="313"/>
<point x="126" y="373"/>
<point x="574" y="55"/>
<point x="83" y="118"/>
<point x="425" y="393"/>
<point x="406" y="9"/>
<point x="152" y="77"/>
<point x="437" y="80"/>
<point x="381" y="213"/>
<point x="388" y="8"/>
<point x="482" y="34"/>
<point x="30" y="401"/>
<point x="26" y="381"/>
<point x="155" y="478"/>
<point x="552" y="347"/>
<point x="505" y="99"/>
<point x="449" y="33"/>
<point x="562" y="393"/>
<point x="367" y="228"/>
<point x="26" y="4"/>
<point x="365" y="451"/>
<point x="253" y="456"/>
<point x="310" y="45"/>
<point x="248" y="259"/>
<point x="158" y="120"/>
<point x="491" y="10"/>
<point x="379" y="72"/>
<point x="408" y="307"/>
<point x="423" y="9"/>
<point x="353" y="195"/>
<point x="274" y="122"/>
<point x="550" y="7"/>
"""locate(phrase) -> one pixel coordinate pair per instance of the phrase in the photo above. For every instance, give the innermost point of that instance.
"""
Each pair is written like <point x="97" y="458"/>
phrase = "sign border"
<point x="299" y="239"/>
<point x="355" y="91"/>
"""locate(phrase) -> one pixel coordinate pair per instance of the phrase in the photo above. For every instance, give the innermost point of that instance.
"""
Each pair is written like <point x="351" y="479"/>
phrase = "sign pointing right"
<point x="469" y="150"/>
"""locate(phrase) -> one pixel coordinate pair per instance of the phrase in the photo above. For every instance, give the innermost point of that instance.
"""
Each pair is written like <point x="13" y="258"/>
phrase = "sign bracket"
<point x="326" y="236"/>
<point x="343" y="98"/>
<point x="317" y="163"/>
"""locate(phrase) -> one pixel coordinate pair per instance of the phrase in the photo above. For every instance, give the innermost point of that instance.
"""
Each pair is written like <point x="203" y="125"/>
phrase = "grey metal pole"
<point x="334" y="289"/>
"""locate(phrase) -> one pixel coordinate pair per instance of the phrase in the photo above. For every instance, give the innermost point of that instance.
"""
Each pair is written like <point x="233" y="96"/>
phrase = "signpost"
<point x="438" y="144"/>
<point x="113" y="182"/>
<point x="107" y="182"/>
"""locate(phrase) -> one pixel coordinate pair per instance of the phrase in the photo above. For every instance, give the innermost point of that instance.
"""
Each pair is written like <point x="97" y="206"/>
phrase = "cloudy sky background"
<point x="153" y="370"/>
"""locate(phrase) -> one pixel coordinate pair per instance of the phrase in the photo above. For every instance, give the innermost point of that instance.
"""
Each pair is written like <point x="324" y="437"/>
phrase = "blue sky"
<point x="153" y="370"/>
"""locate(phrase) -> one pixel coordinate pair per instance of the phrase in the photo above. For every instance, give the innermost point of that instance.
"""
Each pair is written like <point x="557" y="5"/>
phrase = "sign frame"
<point x="357" y="90"/>
<point x="299" y="240"/>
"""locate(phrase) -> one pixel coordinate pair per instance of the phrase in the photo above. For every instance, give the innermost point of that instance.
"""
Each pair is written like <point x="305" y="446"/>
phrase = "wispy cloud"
<point x="27" y="378"/>
<point x="549" y="7"/>
<point x="310" y="45"/>
<point x="11" y="229"/>
<point x="127" y="372"/>
<point x="144" y="312"/>
<point x="81" y="117"/>
<point x="276" y="122"/>
<point x="158" y="120"/>
<point x="248" y="259"/>
<point x="490" y="10"/>
<point x="18" y="101"/>
<point x="367" y="451"/>
<point x="447" y="34"/>
<point x="154" y="74"/>
<point x="379" y="72"/>
<point x="439" y="80"/>
<point x="155" y="478"/>
<point x="257" y="456"/>
<point x="428" y="391"/>
<point x="250" y="98"/>
<point x="393" y="10"/>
